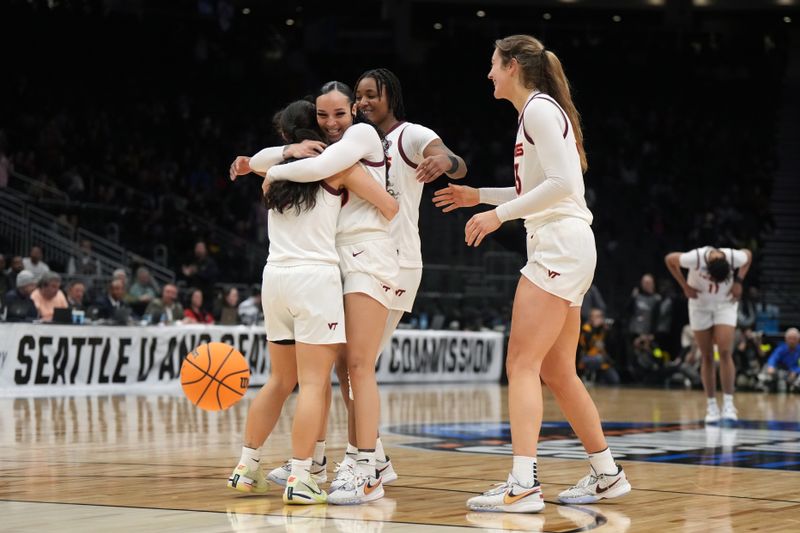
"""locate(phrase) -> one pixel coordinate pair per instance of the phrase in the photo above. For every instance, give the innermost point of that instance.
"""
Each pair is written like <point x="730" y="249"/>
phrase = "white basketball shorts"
<point x="303" y="303"/>
<point x="406" y="287"/>
<point x="370" y="267"/>
<point x="705" y="315"/>
<point x="562" y="258"/>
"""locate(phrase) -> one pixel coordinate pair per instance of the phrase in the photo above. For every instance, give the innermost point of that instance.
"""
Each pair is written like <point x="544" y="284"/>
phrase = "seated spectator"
<point x="748" y="355"/>
<point x="250" y="311"/>
<point x="164" y="310"/>
<point x="14" y="268"/>
<point x="595" y="363"/>
<point x="111" y="306"/>
<point x="18" y="304"/>
<point x="228" y="314"/>
<point x="48" y="296"/>
<point x="5" y="280"/>
<point x="783" y="367"/>
<point x="76" y="294"/>
<point x="83" y="264"/>
<point x="144" y="289"/>
<point x="195" y="314"/>
<point x="34" y="263"/>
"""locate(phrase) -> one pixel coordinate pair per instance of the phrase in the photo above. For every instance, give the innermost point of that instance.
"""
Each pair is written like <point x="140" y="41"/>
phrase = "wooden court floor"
<point x="156" y="463"/>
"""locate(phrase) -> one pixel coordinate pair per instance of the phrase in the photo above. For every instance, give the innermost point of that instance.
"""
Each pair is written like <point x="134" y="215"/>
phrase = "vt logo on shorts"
<point x="552" y="274"/>
<point x="332" y="325"/>
<point x="399" y="292"/>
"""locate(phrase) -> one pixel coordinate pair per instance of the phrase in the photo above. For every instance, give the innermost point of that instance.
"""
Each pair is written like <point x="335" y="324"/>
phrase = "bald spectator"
<point x="34" y="263"/>
<point x="111" y="306"/>
<point x="783" y="366"/>
<point x="167" y="309"/>
<point x="18" y="304"/>
<point x="202" y="272"/>
<point x="48" y="296"/>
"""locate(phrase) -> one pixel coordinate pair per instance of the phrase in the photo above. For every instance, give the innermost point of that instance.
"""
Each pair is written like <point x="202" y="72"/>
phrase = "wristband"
<point x="453" y="164"/>
<point x="739" y="280"/>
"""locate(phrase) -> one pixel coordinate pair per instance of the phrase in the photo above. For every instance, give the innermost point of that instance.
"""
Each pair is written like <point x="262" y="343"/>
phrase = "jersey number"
<point x="517" y="180"/>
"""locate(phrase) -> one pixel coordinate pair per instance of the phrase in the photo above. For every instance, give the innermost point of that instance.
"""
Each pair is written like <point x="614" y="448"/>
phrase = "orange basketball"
<point x="215" y="376"/>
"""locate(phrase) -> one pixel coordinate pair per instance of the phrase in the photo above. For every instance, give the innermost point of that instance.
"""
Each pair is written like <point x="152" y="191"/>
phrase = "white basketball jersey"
<point x="359" y="220"/>
<point x="710" y="291"/>
<point x="309" y="237"/>
<point x="407" y="141"/>
<point x="528" y="171"/>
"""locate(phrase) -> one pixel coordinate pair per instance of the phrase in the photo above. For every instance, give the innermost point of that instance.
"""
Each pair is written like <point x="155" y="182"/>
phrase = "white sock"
<point x="603" y="462"/>
<point x="712" y="403"/>
<point x="251" y="457"/>
<point x="727" y="400"/>
<point x="365" y="462"/>
<point x="351" y="450"/>
<point x="380" y="455"/>
<point x="301" y="468"/>
<point x="319" y="452"/>
<point x="524" y="470"/>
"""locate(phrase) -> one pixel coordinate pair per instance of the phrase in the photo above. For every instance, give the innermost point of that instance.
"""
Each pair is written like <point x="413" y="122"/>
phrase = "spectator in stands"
<point x="195" y="313"/>
<point x="14" y="268"/>
<point x="34" y="263"/>
<point x="642" y="310"/>
<point x="250" y="311"/>
<point x="593" y="299"/>
<point x="111" y="306"/>
<point x="76" y="294"/>
<point x="783" y="367"/>
<point x="18" y="304"/>
<point x="164" y="310"/>
<point x="144" y="289"/>
<point x="83" y="264"/>
<point x="228" y="313"/>
<point x="5" y="281"/>
<point x="748" y="355"/>
<point x="48" y="296"/>
<point x="595" y="363"/>
<point x="202" y="272"/>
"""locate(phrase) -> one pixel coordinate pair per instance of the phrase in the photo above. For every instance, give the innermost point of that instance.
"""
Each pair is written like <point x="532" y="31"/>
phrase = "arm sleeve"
<point x="266" y="158"/>
<point x="739" y="258"/>
<point x="353" y="146"/>
<point x="497" y="195"/>
<point x="546" y="126"/>
<point x="690" y="259"/>
<point x="415" y="139"/>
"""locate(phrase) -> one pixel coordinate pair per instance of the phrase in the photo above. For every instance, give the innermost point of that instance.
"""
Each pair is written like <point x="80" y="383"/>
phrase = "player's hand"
<point x="736" y="291"/>
<point x="432" y="167"/>
<point x="690" y="292"/>
<point x="454" y="196"/>
<point x="479" y="226"/>
<point x="307" y="148"/>
<point x="240" y="167"/>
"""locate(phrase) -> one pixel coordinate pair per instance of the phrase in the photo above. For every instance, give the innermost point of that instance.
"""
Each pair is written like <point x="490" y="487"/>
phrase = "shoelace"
<point x="344" y="472"/>
<point x="586" y="481"/>
<point x="499" y="488"/>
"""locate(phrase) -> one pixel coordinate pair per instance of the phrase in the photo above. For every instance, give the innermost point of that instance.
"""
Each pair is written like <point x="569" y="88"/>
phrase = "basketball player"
<point x="302" y="298"/>
<point x="369" y="265"/>
<point x="549" y="162"/>
<point x="713" y="288"/>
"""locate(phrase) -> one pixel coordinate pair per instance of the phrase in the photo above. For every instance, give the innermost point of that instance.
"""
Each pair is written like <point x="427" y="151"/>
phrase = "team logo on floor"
<point x="751" y="444"/>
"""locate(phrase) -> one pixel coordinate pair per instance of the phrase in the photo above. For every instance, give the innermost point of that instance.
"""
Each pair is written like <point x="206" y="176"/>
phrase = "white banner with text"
<point x="52" y="358"/>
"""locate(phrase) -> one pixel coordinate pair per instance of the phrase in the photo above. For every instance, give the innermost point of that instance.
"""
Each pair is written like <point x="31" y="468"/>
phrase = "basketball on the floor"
<point x="215" y="376"/>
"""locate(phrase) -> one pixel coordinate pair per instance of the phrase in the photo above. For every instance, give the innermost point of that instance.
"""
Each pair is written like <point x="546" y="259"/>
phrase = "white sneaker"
<point x="712" y="414"/>
<point x="345" y="471"/>
<point x="509" y="497"/>
<point x="318" y="472"/>
<point x="729" y="413"/>
<point x="595" y="487"/>
<point x="386" y="471"/>
<point x="360" y="489"/>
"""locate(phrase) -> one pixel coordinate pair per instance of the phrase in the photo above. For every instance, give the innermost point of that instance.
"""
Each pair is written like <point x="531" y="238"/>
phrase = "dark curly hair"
<point x="719" y="269"/>
<point x="296" y="122"/>
<point x="386" y="79"/>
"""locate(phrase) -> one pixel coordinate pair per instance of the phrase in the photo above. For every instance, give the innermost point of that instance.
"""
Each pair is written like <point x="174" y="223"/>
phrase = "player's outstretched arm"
<point x="454" y="196"/>
<point x="439" y="159"/>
